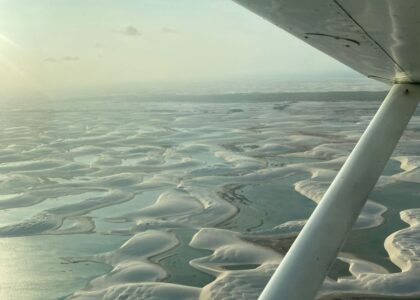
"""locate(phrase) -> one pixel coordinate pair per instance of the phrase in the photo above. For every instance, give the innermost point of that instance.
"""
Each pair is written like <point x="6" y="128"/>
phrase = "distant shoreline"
<point x="265" y="97"/>
<point x="215" y="98"/>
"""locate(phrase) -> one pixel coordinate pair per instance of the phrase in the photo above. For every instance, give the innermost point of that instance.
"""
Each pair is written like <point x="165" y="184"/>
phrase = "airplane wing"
<point x="378" y="38"/>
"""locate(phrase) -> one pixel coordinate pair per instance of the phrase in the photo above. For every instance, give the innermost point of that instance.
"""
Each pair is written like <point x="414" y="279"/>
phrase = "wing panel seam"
<point x="370" y="37"/>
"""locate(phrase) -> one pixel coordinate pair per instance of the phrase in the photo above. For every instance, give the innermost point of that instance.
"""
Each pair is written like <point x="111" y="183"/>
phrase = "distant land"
<point x="266" y="97"/>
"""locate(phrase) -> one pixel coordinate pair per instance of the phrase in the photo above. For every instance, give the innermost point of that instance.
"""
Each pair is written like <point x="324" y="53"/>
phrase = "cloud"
<point x="131" y="31"/>
<point x="66" y="58"/>
<point x="70" y="58"/>
<point x="168" y="30"/>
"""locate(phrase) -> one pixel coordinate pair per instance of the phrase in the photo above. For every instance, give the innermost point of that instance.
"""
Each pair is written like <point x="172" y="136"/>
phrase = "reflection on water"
<point x="193" y="197"/>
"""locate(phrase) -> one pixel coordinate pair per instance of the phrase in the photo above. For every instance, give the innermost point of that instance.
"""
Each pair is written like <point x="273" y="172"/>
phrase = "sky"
<point x="62" y="46"/>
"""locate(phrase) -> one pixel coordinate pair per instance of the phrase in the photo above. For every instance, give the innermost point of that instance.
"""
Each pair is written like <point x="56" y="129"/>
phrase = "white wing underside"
<point x="378" y="38"/>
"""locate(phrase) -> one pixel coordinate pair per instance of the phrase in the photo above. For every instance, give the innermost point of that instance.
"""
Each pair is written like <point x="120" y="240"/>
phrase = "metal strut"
<point x="303" y="269"/>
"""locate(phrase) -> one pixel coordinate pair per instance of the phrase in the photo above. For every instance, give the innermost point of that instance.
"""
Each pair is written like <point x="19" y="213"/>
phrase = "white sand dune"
<point x="192" y="199"/>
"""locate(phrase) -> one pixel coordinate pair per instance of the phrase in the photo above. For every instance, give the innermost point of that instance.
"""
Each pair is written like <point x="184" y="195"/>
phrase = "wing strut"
<point x="303" y="269"/>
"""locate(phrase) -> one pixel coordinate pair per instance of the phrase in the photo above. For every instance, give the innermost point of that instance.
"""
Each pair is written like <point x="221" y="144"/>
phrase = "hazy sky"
<point x="51" y="46"/>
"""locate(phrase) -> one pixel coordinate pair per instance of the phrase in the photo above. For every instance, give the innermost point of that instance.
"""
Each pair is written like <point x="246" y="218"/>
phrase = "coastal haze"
<point x="162" y="150"/>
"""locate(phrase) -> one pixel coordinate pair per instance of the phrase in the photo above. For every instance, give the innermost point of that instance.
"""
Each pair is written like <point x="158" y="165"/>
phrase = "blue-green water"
<point x="101" y="198"/>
